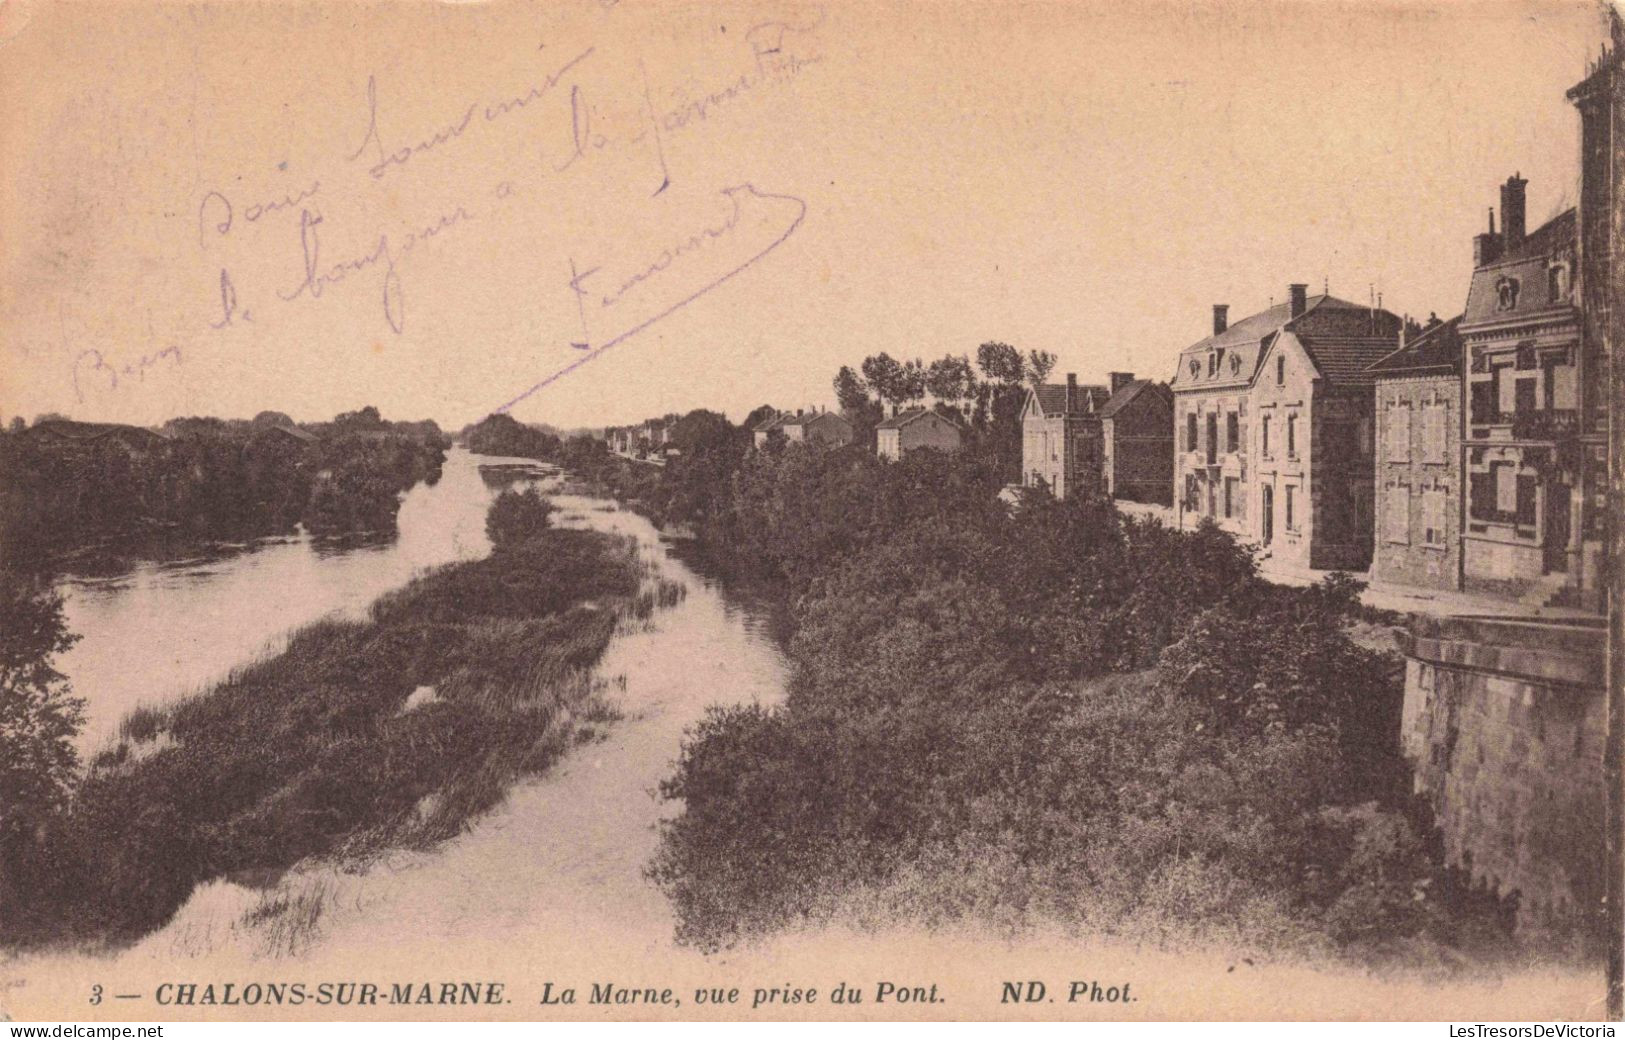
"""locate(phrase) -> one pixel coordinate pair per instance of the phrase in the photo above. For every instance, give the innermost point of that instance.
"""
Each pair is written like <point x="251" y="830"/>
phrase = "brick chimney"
<point x="1298" y="292"/>
<point x="1487" y="246"/>
<point x="1119" y="380"/>
<point x="1071" y="389"/>
<point x="1512" y="213"/>
<point x="1221" y="317"/>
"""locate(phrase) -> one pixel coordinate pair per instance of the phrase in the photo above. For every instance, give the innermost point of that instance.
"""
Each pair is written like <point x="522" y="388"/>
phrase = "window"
<point x="1526" y="497"/>
<point x="1557" y="283"/>
<point x="1433" y="516"/>
<point x="1291" y="436"/>
<point x="1232" y="434"/>
<point x="1483" y="403"/>
<point x="1280" y="370"/>
<point x="1433" y="432"/>
<point x="1212" y="365"/>
<point x="1212" y="438"/>
<point x="1396" y="521"/>
<point x="1190" y="431"/>
<point x="1399" y="431"/>
<point x="1291" y="508"/>
<point x="1523" y="396"/>
<point x="1264" y="437"/>
<point x="1230" y="497"/>
<point x="1506" y="487"/>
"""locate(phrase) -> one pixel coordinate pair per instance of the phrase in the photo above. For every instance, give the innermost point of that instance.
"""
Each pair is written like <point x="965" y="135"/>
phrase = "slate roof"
<point x="1127" y="393"/>
<point x="1527" y="265"/>
<point x="904" y="418"/>
<point x="1087" y="399"/>
<point x="1436" y="350"/>
<point x="1339" y="335"/>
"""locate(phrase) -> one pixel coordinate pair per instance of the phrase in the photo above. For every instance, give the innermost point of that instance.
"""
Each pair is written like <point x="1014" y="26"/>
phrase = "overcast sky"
<point x="608" y="211"/>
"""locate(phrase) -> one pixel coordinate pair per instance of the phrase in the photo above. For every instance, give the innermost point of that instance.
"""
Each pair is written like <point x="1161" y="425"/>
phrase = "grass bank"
<point x="389" y="732"/>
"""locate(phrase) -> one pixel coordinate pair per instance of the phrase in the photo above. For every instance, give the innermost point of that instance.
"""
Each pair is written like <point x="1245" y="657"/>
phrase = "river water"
<point x="165" y="630"/>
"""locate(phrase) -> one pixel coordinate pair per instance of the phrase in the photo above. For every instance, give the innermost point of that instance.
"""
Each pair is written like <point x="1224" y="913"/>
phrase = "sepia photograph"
<point x="846" y="511"/>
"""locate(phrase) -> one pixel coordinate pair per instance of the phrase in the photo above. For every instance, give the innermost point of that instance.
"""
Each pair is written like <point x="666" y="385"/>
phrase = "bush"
<point x="517" y="516"/>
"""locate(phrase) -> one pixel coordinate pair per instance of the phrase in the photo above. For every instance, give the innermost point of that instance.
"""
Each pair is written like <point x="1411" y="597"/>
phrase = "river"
<point x="165" y="630"/>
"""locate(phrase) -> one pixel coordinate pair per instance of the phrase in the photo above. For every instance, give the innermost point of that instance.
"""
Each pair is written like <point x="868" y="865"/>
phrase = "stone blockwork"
<point x="1504" y="724"/>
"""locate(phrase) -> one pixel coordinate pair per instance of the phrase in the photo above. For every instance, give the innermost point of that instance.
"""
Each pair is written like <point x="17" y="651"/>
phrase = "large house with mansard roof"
<point x="1272" y="425"/>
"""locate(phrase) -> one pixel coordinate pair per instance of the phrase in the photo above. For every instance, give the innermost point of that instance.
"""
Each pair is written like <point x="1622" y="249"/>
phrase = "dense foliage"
<point x="502" y="434"/>
<point x="208" y="479"/>
<point x="392" y="730"/>
<point x="1055" y="714"/>
<point x="38" y="719"/>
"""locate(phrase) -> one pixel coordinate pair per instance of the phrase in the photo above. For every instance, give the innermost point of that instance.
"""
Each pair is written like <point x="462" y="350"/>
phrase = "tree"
<point x="517" y="516"/>
<point x="1000" y="363"/>
<point x="950" y="378"/>
<point x="911" y="381"/>
<point x="39" y="718"/>
<point x="1040" y="363"/>
<point x="367" y="418"/>
<point x="884" y="375"/>
<point x="850" y="392"/>
<point x="18" y="424"/>
<point x="272" y="419"/>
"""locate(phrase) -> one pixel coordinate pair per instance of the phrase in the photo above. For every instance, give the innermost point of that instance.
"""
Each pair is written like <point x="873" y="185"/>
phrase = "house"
<point x="916" y="428"/>
<point x="1273" y="422"/>
<point x="69" y="433"/>
<point x="1137" y="441"/>
<point x="815" y="427"/>
<point x="1061" y="436"/>
<point x="1417" y="540"/>
<point x="1536" y="410"/>
<point x="290" y="434"/>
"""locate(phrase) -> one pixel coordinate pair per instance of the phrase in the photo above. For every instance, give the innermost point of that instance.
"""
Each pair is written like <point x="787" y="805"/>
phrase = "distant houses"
<point x="916" y="428"/>
<point x="814" y="427"/>
<point x="1115" y="439"/>
<point x="69" y="433"/>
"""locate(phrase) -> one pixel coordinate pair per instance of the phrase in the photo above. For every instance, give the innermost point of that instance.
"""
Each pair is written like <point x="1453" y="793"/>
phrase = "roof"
<point x="1341" y="337"/>
<point x="902" y="419"/>
<point x="1526" y="266"/>
<point x="295" y="432"/>
<point x="70" y="429"/>
<point x="1125" y="394"/>
<point x="1436" y="350"/>
<point x="807" y="418"/>
<point x="1086" y="399"/>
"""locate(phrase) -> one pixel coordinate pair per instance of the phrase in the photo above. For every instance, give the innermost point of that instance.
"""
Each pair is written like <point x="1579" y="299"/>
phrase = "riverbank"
<point x="363" y="735"/>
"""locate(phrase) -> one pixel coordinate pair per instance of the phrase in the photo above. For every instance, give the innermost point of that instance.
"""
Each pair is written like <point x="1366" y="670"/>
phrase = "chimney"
<point x="1119" y="380"/>
<point x="1071" y="389"/>
<point x="1487" y="247"/>
<point x="1221" y="317"/>
<point x="1512" y="213"/>
<point x="1299" y="294"/>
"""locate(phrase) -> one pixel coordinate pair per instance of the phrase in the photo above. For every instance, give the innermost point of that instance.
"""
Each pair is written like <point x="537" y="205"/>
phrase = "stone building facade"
<point x="916" y="428"/>
<point x="1060" y="434"/>
<point x="1273" y="428"/>
<point x="1417" y="510"/>
<point x="1137" y="442"/>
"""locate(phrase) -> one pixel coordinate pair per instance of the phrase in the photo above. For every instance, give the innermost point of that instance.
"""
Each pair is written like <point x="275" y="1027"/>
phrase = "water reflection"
<point x="162" y="631"/>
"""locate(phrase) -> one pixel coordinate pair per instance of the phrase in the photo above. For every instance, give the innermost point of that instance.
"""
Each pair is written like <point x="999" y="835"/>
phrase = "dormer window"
<point x="1196" y="368"/>
<point x="1280" y="370"/>
<point x="1212" y="365"/>
<point x="1235" y="364"/>
<point x="1557" y="283"/>
<point x="1506" y="293"/>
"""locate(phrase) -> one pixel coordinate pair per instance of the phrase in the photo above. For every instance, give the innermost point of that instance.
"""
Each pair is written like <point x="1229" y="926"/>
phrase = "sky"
<point x="599" y="211"/>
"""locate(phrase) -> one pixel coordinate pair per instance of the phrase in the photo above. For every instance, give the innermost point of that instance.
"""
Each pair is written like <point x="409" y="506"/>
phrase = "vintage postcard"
<point x="842" y="510"/>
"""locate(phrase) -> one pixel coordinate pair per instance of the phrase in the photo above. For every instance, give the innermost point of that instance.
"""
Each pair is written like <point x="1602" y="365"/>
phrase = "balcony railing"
<point x="1545" y="426"/>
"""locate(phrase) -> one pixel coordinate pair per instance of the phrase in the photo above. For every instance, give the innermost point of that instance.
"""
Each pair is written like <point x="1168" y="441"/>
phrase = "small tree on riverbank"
<point x="38" y="720"/>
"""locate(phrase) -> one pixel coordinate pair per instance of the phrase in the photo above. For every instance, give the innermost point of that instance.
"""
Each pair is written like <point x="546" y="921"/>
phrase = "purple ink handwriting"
<point x="780" y="215"/>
